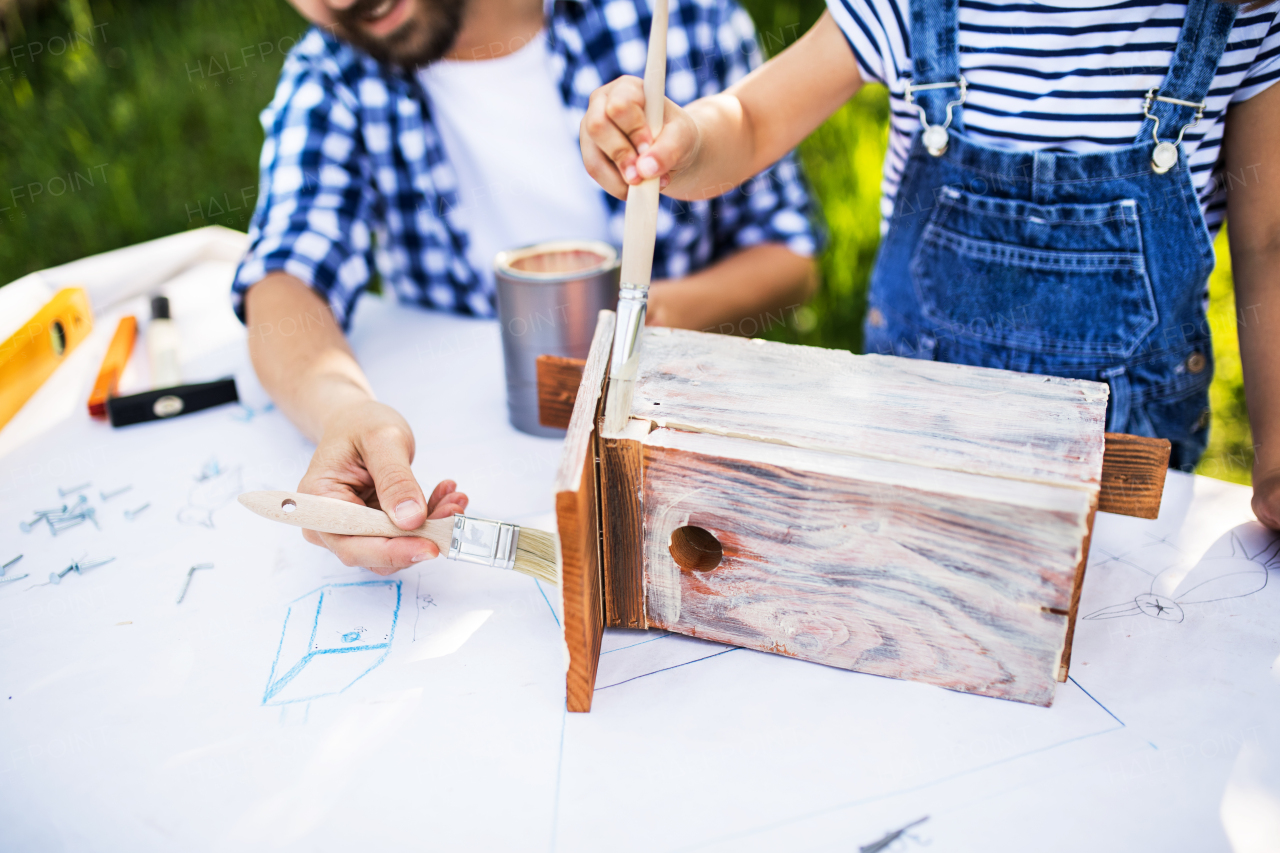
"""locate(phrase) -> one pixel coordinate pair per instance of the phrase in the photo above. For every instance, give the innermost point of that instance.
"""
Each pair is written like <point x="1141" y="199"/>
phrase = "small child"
<point x="1055" y="175"/>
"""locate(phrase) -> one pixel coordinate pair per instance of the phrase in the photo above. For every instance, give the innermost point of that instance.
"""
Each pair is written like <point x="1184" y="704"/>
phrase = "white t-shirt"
<point x="1064" y="75"/>
<point x="515" y="150"/>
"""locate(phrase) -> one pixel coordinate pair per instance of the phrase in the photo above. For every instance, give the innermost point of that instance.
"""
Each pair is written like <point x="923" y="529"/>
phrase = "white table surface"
<point x="131" y="722"/>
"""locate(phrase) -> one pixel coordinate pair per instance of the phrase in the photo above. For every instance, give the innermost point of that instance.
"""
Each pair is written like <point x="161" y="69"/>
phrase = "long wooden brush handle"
<point x="641" y="220"/>
<point x="329" y="515"/>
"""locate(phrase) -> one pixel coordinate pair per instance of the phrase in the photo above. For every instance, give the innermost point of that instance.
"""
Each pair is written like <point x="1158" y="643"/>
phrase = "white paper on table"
<point x="139" y="723"/>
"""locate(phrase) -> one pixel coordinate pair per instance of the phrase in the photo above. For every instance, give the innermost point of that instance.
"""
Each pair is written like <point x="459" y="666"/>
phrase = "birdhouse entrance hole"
<point x="695" y="549"/>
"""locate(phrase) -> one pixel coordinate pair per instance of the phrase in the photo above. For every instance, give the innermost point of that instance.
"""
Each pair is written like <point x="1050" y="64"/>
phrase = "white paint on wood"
<point x="942" y="577"/>
<point x="993" y="422"/>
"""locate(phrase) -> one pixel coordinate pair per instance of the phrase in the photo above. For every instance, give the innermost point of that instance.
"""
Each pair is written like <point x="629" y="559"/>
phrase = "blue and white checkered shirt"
<point x="354" y="171"/>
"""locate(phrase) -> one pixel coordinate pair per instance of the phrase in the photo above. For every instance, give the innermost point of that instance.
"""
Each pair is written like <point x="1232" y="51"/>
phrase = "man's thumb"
<point x="398" y="492"/>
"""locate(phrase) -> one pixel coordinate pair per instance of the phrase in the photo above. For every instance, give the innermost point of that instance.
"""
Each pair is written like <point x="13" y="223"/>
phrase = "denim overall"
<point x="1092" y="266"/>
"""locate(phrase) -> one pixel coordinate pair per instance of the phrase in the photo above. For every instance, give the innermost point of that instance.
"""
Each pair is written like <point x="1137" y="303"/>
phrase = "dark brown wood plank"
<point x="1064" y="669"/>
<point x="558" y="381"/>
<point x="620" y="486"/>
<point x="1133" y="469"/>
<point x="578" y="527"/>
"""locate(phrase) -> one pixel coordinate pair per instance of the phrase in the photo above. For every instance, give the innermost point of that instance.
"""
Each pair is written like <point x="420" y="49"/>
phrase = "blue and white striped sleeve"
<point x="1265" y="69"/>
<point x="876" y="33"/>
<point x="316" y="198"/>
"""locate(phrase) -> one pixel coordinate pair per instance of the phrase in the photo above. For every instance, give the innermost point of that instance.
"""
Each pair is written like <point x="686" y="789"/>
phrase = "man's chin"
<point x="427" y="34"/>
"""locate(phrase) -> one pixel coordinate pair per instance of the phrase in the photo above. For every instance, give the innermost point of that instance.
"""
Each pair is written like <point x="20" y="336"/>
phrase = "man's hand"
<point x="363" y="448"/>
<point x="363" y="457"/>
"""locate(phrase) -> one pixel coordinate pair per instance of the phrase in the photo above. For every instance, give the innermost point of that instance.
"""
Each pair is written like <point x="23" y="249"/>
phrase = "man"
<point x="423" y="136"/>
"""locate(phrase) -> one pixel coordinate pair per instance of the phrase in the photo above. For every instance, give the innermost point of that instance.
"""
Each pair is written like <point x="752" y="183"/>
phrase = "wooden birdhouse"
<point x="906" y="518"/>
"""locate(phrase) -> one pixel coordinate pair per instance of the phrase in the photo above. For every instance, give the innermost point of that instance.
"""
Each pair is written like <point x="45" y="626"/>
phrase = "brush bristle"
<point x="536" y="555"/>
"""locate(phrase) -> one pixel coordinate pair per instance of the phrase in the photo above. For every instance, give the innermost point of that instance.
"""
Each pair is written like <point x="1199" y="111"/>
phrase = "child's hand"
<point x="1266" y="499"/>
<point x="618" y="149"/>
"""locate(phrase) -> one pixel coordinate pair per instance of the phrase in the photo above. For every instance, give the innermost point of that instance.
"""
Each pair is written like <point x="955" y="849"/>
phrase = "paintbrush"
<point x="639" y="230"/>
<point x="469" y="540"/>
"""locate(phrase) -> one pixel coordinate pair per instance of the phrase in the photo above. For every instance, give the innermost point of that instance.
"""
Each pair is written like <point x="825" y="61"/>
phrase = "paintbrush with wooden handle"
<point x="470" y="540"/>
<point x="640" y="227"/>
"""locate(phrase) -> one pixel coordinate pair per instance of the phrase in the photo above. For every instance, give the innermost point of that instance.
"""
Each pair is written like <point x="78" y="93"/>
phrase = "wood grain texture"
<point x="621" y="524"/>
<point x="330" y="515"/>
<point x="1064" y="668"/>
<point x="950" y="578"/>
<point x="558" y="381"/>
<point x="1133" y="471"/>
<point x="948" y="416"/>
<point x="578" y="527"/>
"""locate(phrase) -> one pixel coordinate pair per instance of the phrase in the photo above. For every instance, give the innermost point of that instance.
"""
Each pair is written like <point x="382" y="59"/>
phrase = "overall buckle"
<point x="1165" y="157"/>
<point x="935" y="135"/>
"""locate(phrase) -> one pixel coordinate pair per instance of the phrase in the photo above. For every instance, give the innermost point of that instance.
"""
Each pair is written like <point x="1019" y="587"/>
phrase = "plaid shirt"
<point x="354" y="172"/>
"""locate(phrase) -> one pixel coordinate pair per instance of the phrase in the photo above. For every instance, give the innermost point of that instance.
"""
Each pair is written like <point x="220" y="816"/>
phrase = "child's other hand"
<point x="1266" y="499"/>
<point x="617" y="147"/>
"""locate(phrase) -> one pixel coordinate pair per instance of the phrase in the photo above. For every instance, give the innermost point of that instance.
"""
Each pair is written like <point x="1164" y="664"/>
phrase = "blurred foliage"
<point x="1230" y="452"/>
<point x="125" y="120"/>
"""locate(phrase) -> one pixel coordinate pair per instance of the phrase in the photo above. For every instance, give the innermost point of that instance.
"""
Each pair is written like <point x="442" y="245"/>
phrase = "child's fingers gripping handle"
<point x="329" y="515"/>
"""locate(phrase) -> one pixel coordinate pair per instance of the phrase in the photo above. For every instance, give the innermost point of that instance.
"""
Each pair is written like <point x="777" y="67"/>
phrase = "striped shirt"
<point x="1064" y="75"/>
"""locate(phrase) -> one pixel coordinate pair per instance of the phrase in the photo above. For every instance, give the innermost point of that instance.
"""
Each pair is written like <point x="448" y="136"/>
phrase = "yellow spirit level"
<point x="33" y="352"/>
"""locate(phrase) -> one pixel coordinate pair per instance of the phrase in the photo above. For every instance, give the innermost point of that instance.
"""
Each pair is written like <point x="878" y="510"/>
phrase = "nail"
<point x="630" y="174"/>
<point x="6" y="566"/>
<point x="131" y="514"/>
<point x="62" y="493"/>
<point x="106" y="496"/>
<point x="642" y="149"/>
<point x="405" y="509"/>
<point x="647" y="167"/>
<point x="55" y="578"/>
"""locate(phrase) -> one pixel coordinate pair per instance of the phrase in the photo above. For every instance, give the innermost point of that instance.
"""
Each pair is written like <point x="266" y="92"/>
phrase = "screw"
<point x="62" y="493"/>
<point x="106" y="496"/>
<point x="11" y="580"/>
<point x="78" y="567"/>
<point x="131" y="514"/>
<point x="81" y="568"/>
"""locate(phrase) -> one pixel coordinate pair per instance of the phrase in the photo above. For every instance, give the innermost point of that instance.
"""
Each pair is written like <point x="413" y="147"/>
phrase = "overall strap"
<point x="935" y="58"/>
<point x="1191" y="71"/>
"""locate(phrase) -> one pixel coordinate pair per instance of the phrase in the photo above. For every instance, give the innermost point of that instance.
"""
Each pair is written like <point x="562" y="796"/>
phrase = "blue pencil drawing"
<point x="215" y="488"/>
<point x="1215" y="578"/>
<point x="333" y="637"/>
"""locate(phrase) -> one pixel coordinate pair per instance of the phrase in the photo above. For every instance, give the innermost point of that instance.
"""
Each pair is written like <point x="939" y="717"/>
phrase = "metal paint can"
<point x="549" y="295"/>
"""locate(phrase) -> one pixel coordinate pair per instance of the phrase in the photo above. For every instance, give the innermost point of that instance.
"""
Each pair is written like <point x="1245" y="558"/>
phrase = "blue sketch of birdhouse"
<point x="1215" y="578"/>
<point x="333" y="637"/>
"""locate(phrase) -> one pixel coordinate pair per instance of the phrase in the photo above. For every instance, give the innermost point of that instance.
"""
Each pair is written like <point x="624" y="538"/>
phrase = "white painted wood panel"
<point x="993" y="422"/>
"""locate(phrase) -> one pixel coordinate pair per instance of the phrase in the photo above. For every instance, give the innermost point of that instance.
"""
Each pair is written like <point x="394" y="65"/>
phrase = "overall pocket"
<point x="1067" y="279"/>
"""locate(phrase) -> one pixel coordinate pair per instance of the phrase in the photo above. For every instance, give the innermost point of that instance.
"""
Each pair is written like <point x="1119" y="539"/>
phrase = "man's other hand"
<point x="363" y="456"/>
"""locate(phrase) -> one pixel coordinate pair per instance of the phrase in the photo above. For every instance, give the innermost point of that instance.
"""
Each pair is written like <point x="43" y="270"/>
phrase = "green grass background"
<point x="125" y="120"/>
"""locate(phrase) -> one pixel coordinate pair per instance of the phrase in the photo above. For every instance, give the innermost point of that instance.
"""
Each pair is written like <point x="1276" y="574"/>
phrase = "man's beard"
<point x="425" y="36"/>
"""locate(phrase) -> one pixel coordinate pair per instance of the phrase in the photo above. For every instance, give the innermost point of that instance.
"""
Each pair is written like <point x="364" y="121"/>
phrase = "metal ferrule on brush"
<point x="489" y="543"/>
<point x="633" y="304"/>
